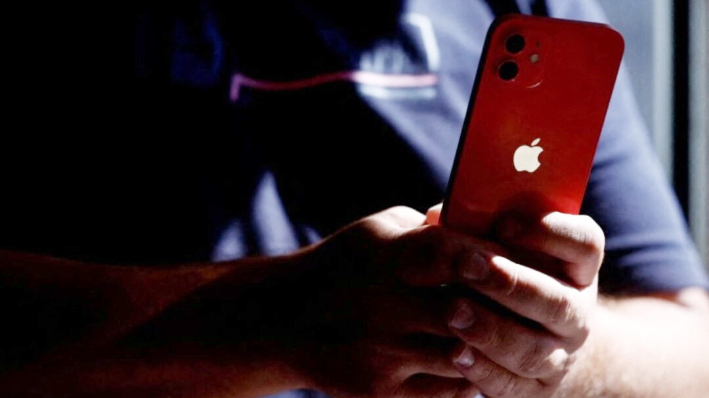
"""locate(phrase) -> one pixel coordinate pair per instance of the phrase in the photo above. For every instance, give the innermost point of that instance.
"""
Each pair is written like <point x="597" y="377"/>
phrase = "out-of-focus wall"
<point x="649" y="30"/>
<point x="646" y="27"/>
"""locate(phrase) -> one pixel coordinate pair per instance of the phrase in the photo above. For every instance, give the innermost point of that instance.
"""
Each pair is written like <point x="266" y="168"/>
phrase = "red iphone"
<point x="534" y="120"/>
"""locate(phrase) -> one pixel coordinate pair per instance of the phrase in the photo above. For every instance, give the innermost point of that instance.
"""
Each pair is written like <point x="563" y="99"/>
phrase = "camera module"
<point x="508" y="70"/>
<point x="515" y="43"/>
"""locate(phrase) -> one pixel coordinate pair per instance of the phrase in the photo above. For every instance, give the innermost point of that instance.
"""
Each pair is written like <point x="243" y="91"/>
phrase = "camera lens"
<point x="515" y="43"/>
<point x="508" y="70"/>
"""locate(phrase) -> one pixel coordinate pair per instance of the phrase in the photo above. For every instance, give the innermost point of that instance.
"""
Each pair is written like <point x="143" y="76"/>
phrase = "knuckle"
<point x="582" y="332"/>
<point x="494" y="339"/>
<point x="583" y="313"/>
<point x="538" y="360"/>
<point x="436" y="236"/>
<point x="566" y="361"/>
<point x="424" y="256"/>
<point x="433" y="244"/>
<point x="569" y="312"/>
<point x="592" y="238"/>
<point x="459" y="305"/>
<point x="511" y="284"/>
<point x="398" y="212"/>
<point x="371" y="227"/>
<point x="596" y="232"/>
<point x="505" y="385"/>
<point x="402" y="217"/>
<point x="563" y="311"/>
<point x="532" y="361"/>
<point x="486" y="341"/>
<point x="484" y="373"/>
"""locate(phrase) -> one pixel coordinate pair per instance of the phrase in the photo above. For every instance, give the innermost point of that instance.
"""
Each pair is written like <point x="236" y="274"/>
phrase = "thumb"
<point x="433" y="214"/>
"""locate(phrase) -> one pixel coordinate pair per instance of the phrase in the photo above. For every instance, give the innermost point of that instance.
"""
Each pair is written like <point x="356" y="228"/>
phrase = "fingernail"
<point x="509" y="228"/>
<point x="465" y="359"/>
<point x="474" y="267"/>
<point x="463" y="318"/>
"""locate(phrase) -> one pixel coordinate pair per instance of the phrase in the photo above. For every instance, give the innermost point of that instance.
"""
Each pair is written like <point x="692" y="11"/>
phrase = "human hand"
<point x="363" y="317"/>
<point x="526" y="337"/>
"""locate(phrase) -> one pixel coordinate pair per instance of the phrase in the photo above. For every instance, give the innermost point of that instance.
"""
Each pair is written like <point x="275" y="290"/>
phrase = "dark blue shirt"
<point x="219" y="130"/>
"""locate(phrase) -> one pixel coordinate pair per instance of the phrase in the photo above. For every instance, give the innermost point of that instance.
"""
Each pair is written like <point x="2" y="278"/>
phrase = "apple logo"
<point x="526" y="158"/>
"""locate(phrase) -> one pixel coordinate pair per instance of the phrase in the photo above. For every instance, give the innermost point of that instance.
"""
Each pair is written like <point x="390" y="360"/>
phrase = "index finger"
<point x="576" y="240"/>
<point x="557" y="306"/>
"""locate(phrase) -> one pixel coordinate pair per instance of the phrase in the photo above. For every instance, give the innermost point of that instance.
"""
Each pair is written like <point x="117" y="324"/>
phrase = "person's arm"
<point x="344" y="316"/>
<point x="545" y="334"/>
<point x="645" y="346"/>
<point x="68" y="320"/>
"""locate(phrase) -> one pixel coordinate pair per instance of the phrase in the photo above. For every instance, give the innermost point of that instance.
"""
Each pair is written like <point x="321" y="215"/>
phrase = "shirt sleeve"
<point x="648" y="246"/>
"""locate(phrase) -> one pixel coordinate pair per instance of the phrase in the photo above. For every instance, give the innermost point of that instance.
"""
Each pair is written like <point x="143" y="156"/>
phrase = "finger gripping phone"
<point x="534" y="119"/>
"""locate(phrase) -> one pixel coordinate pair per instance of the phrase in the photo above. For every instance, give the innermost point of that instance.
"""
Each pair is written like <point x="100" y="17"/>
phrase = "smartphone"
<point x="534" y="119"/>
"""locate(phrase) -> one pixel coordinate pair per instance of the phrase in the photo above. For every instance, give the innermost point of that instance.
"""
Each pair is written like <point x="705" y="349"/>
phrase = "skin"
<point x="361" y="314"/>
<point x="362" y="299"/>
<point x="526" y="341"/>
<point x="553" y="336"/>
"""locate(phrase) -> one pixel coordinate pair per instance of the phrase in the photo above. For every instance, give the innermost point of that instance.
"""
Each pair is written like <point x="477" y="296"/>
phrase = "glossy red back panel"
<point x="557" y="102"/>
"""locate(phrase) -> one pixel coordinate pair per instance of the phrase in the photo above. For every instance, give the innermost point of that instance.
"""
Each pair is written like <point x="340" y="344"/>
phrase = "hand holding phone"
<point x="534" y="119"/>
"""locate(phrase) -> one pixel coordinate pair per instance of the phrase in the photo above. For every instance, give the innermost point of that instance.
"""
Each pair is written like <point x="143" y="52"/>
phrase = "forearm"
<point x="127" y="330"/>
<point x="179" y="371"/>
<point x="645" y="347"/>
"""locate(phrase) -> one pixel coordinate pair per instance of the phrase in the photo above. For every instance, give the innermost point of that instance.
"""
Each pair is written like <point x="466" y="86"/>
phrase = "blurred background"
<point x="667" y="44"/>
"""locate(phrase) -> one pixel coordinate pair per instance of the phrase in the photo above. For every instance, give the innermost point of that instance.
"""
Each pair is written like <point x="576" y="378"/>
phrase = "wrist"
<point x="264" y="300"/>
<point x="589" y="376"/>
<point x="263" y="368"/>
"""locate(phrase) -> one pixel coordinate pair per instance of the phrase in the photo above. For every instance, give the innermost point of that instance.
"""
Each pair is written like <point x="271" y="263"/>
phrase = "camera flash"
<point x="534" y="58"/>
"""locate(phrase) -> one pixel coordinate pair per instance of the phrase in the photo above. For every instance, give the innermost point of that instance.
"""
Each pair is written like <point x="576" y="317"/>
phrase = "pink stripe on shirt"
<point x="362" y="77"/>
